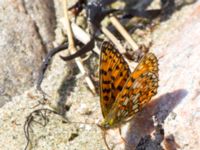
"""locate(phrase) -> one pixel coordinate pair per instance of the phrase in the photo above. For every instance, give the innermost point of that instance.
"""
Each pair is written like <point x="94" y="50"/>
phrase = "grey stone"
<point x="21" y="48"/>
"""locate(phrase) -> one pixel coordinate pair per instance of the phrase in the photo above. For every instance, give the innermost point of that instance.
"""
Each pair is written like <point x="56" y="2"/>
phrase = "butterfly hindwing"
<point x="148" y="63"/>
<point x="141" y="91"/>
<point x="114" y="72"/>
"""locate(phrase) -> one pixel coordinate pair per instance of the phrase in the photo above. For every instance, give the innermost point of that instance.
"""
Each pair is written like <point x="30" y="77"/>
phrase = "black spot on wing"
<point x="106" y="98"/>
<point x="106" y="82"/>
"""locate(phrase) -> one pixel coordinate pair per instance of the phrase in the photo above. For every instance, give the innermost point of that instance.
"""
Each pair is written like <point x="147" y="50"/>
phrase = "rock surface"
<point x="21" y="48"/>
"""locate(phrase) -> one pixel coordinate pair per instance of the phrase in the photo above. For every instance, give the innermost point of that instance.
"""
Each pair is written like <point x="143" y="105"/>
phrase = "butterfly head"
<point x="107" y="124"/>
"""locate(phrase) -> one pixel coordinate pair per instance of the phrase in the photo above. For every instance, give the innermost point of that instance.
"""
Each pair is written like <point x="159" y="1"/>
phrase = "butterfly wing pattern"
<point x="122" y="94"/>
<point x="114" y="72"/>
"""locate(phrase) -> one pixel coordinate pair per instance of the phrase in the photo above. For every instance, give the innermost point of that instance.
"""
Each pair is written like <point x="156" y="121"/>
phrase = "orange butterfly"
<point x="122" y="93"/>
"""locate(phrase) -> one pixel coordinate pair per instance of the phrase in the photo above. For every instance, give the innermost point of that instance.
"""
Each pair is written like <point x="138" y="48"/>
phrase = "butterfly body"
<point x="122" y="93"/>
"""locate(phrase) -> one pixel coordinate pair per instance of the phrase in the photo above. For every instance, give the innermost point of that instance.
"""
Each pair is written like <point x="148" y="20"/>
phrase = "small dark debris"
<point x="73" y="136"/>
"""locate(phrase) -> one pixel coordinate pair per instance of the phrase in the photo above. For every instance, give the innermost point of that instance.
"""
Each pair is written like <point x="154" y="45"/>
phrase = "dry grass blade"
<point x="72" y="48"/>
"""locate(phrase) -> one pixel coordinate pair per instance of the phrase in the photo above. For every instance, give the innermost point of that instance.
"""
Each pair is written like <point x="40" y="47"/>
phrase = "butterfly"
<point x="124" y="93"/>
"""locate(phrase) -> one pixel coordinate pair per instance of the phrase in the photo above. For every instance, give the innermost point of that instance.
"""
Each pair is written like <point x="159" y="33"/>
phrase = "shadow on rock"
<point x="143" y="123"/>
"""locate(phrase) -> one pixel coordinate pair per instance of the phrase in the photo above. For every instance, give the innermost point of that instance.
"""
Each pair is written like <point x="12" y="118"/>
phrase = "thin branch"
<point x="123" y="32"/>
<point x="82" y="36"/>
<point x="113" y="39"/>
<point x="72" y="47"/>
<point x="69" y="30"/>
<point x="45" y="64"/>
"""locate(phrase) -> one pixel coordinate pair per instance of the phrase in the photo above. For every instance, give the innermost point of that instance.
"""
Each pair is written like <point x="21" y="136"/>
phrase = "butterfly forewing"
<point x="114" y="72"/>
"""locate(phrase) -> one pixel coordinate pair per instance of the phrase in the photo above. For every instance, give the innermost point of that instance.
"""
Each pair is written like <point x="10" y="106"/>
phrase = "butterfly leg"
<point x="124" y="140"/>
<point x="104" y="139"/>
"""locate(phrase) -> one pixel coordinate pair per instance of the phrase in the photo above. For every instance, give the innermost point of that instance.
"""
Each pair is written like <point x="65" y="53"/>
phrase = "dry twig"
<point x="123" y="32"/>
<point x="113" y="39"/>
<point x="82" y="36"/>
<point x="72" y="48"/>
